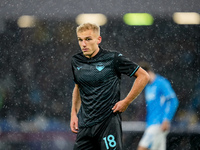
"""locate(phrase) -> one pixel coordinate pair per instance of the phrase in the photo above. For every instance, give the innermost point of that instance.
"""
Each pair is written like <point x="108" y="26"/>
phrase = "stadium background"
<point x="36" y="80"/>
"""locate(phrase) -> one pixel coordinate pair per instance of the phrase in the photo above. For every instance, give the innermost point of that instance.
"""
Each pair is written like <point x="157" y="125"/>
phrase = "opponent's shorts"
<point x="154" y="138"/>
<point x="106" y="135"/>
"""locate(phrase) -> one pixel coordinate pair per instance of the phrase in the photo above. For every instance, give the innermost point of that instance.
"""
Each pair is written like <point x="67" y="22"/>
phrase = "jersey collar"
<point x="99" y="52"/>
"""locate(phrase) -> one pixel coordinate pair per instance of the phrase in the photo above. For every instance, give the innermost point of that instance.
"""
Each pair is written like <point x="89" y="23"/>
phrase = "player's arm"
<point x="170" y="106"/>
<point x="142" y="78"/>
<point x="170" y="110"/>
<point x="76" y="103"/>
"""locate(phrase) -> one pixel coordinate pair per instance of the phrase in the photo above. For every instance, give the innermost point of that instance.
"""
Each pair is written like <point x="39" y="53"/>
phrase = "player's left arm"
<point x="142" y="78"/>
<point x="170" y="106"/>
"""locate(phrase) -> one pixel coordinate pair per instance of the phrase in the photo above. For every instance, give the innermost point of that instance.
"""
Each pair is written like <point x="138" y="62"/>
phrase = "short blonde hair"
<point x="88" y="26"/>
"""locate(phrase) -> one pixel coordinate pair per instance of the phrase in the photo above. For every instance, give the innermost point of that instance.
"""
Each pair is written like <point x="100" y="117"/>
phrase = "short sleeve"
<point x="124" y="66"/>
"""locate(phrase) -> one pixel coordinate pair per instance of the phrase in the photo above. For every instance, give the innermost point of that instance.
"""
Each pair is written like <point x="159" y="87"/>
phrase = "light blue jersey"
<point x="161" y="101"/>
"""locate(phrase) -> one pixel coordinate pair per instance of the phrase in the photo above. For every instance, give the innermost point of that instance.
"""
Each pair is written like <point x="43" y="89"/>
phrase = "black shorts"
<point x="106" y="135"/>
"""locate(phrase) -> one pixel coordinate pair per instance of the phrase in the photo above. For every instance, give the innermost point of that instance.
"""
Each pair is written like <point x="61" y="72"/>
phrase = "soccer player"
<point x="96" y="104"/>
<point x="161" y="103"/>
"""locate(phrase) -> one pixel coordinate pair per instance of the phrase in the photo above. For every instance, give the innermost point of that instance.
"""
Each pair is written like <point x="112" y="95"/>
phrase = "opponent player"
<point x="96" y="104"/>
<point x="162" y="103"/>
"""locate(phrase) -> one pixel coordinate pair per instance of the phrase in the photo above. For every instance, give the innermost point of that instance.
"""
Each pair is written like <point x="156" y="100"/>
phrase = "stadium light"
<point x="186" y="18"/>
<point x="26" y="21"/>
<point x="99" y="19"/>
<point x="138" y="19"/>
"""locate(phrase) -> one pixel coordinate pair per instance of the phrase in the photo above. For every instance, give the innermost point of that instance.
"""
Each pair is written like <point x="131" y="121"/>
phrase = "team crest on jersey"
<point x="100" y="66"/>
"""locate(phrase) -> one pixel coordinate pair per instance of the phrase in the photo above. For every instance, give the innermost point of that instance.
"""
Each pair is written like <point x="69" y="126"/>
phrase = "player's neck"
<point x="94" y="53"/>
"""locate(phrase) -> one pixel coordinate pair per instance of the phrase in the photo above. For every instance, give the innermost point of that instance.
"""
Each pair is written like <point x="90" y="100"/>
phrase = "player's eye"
<point x="88" y="39"/>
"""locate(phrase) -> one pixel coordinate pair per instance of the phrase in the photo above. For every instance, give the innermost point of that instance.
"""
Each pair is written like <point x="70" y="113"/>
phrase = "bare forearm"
<point x="139" y="84"/>
<point x="142" y="78"/>
<point x="76" y="101"/>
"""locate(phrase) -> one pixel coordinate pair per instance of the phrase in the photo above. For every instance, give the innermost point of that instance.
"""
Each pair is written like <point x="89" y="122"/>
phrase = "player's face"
<point x="88" y="42"/>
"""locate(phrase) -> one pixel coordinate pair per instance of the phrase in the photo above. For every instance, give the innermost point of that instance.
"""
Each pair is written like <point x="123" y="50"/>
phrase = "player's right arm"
<point x="76" y="103"/>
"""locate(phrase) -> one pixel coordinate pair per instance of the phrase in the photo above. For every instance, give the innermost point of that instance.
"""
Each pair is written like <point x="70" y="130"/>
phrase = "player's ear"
<point x="99" y="40"/>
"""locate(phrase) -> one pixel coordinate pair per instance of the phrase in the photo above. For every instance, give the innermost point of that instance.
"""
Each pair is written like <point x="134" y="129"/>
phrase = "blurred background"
<point x="38" y="38"/>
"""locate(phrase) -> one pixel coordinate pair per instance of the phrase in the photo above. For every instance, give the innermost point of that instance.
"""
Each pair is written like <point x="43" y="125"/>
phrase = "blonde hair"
<point x="88" y="26"/>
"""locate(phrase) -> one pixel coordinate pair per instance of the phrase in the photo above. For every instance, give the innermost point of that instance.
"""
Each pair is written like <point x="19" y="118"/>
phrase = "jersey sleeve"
<point x="124" y="66"/>
<point x="171" y="101"/>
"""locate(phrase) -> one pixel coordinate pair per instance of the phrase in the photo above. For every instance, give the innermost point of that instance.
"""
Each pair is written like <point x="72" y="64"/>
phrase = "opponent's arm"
<point x="170" y="110"/>
<point x="76" y="103"/>
<point x="142" y="78"/>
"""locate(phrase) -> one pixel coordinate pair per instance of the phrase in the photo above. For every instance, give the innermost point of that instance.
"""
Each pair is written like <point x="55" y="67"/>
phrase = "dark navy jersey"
<point x="98" y="79"/>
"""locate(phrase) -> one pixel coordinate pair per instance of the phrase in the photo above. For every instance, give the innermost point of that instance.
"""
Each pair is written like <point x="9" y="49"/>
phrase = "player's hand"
<point x="120" y="106"/>
<point x="165" y="125"/>
<point x="74" y="124"/>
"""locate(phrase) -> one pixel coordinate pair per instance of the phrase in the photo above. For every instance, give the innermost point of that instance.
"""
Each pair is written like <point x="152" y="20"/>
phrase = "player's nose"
<point x="84" y="43"/>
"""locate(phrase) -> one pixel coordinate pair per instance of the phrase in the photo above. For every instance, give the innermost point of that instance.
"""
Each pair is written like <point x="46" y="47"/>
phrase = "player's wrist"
<point x="128" y="101"/>
<point x="73" y="113"/>
<point x="166" y="120"/>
